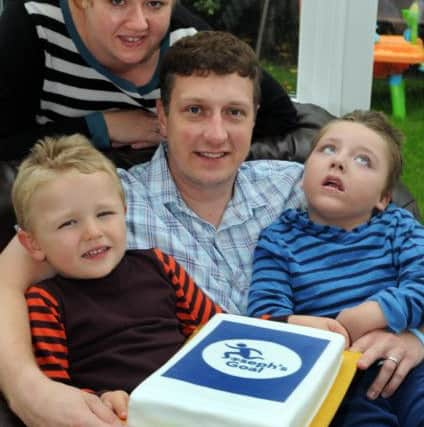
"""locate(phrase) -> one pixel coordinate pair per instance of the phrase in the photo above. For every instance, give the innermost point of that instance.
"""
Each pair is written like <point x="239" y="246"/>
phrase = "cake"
<point x="239" y="371"/>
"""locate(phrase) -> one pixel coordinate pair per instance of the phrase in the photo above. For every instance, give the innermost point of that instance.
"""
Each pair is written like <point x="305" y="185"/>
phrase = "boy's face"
<point x="345" y="176"/>
<point x="78" y="225"/>
<point x="209" y="129"/>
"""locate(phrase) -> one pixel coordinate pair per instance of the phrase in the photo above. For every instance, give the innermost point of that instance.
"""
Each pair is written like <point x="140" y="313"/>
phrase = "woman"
<point x="90" y="66"/>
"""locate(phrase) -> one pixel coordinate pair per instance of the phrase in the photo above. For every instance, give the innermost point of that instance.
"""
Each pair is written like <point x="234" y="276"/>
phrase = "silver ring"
<point x="394" y="360"/>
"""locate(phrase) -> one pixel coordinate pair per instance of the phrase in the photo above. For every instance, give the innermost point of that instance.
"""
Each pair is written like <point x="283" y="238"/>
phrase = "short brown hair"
<point x="47" y="159"/>
<point x="207" y="52"/>
<point x="380" y="124"/>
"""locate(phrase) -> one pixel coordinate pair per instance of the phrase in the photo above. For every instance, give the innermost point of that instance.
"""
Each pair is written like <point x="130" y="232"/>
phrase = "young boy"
<point x="352" y="255"/>
<point x="108" y="318"/>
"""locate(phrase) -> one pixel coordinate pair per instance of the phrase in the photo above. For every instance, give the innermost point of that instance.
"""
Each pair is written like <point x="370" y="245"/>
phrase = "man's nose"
<point x="216" y="130"/>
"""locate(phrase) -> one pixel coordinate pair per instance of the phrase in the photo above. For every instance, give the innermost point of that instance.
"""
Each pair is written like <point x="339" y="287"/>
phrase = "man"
<point x="197" y="201"/>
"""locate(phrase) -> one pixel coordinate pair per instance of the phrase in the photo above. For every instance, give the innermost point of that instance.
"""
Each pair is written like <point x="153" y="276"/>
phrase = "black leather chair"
<point x="295" y="147"/>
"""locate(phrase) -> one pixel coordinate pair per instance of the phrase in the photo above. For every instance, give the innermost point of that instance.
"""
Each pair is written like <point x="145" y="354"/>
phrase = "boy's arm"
<point x="403" y="302"/>
<point x="270" y="292"/>
<point x="361" y="319"/>
<point x="37" y="400"/>
<point x="48" y="334"/>
<point x="194" y="307"/>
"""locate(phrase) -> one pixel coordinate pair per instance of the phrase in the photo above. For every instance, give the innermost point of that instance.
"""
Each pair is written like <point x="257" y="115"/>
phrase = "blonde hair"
<point x="380" y="124"/>
<point x="48" y="159"/>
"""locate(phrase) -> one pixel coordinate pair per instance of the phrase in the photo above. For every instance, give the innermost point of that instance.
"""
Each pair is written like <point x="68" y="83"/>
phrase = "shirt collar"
<point x="164" y="191"/>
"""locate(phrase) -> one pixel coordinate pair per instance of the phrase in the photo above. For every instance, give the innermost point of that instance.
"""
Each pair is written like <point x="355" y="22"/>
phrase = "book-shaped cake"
<point x="241" y="372"/>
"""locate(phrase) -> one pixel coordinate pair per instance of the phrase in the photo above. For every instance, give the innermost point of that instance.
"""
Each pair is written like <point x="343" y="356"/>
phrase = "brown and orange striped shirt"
<point x="111" y="333"/>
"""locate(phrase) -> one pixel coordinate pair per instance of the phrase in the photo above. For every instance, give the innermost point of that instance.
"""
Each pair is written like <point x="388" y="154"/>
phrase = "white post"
<point x="335" y="63"/>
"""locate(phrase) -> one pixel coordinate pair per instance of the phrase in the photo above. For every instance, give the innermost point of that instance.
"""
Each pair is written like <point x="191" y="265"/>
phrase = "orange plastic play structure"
<point x="392" y="56"/>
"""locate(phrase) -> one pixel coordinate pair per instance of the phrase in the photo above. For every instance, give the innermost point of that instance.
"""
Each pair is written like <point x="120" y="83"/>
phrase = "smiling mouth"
<point x="93" y="253"/>
<point x="210" y="155"/>
<point x="333" y="183"/>
<point x="131" y="40"/>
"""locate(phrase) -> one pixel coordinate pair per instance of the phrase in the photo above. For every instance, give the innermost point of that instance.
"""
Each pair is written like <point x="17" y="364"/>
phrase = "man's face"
<point x="209" y="129"/>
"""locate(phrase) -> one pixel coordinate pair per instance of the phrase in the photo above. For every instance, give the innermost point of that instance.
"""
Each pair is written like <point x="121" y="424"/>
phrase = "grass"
<point x="412" y="126"/>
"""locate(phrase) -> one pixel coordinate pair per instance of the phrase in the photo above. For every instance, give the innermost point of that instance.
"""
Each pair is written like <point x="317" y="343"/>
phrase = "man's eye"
<point x="363" y="160"/>
<point x="235" y="112"/>
<point x="328" y="149"/>
<point x="67" y="224"/>
<point x="194" y="109"/>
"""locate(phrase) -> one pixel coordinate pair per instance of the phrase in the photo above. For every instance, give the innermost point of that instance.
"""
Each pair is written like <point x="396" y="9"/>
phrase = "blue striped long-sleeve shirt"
<point x="306" y="268"/>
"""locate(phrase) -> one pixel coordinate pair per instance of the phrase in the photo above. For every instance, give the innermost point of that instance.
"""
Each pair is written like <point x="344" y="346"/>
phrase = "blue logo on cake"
<point x="256" y="359"/>
<point x="249" y="360"/>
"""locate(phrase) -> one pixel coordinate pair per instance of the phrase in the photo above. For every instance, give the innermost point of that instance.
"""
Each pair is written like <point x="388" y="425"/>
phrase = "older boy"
<point x="108" y="319"/>
<point x="351" y="255"/>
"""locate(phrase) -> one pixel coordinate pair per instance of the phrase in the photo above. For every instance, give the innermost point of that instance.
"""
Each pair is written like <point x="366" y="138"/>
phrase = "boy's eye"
<point x="328" y="149"/>
<point x="363" y="160"/>
<point x="105" y="213"/>
<point x="67" y="224"/>
<point x="118" y="2"/>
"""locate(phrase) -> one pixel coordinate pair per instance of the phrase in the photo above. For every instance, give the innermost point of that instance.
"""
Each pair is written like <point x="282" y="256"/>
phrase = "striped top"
<point x="305" y="268"/>
<point x="111" y="333"/>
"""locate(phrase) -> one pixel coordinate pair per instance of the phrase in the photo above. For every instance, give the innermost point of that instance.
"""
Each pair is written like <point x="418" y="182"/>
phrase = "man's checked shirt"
<point x="218" y="259"/>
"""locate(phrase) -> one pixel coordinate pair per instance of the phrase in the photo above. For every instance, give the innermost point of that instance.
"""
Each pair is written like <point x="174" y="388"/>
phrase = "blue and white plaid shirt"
<point x="218" y="259"/>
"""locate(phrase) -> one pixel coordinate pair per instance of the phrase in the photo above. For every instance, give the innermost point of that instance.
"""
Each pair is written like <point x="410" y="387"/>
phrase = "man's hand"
<point x="380" y="345"/>
<point x="46" y="403"/>
<point x="325" y="323"/>
<point x="117" y="401"/>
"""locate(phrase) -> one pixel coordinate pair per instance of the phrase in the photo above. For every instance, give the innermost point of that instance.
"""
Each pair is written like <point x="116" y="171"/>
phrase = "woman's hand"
<point x="388" y="347"/>
<point x="137" y="128"/>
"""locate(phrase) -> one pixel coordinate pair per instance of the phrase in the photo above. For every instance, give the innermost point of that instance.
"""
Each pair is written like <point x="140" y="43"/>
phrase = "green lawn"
<point x="413" y="128"/>
<point x="412" y="125"/>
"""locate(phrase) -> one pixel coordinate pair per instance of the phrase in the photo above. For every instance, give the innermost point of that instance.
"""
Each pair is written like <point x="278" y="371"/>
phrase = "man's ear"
<point x="384" y="201"/>
<point x="163" y="119"/>
<point x="30" y="244"/>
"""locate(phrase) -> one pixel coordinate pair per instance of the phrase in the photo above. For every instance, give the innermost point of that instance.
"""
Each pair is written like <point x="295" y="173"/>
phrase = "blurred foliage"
<point x="209" y="7"/>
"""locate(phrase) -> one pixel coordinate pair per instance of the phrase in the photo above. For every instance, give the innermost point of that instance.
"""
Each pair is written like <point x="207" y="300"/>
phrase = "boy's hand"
<point x="325" y="323"/>
<point x="117" y="401"/>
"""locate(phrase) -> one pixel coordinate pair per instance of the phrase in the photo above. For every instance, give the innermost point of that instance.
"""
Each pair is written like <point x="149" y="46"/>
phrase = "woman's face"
<point x="124" y="33"/>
